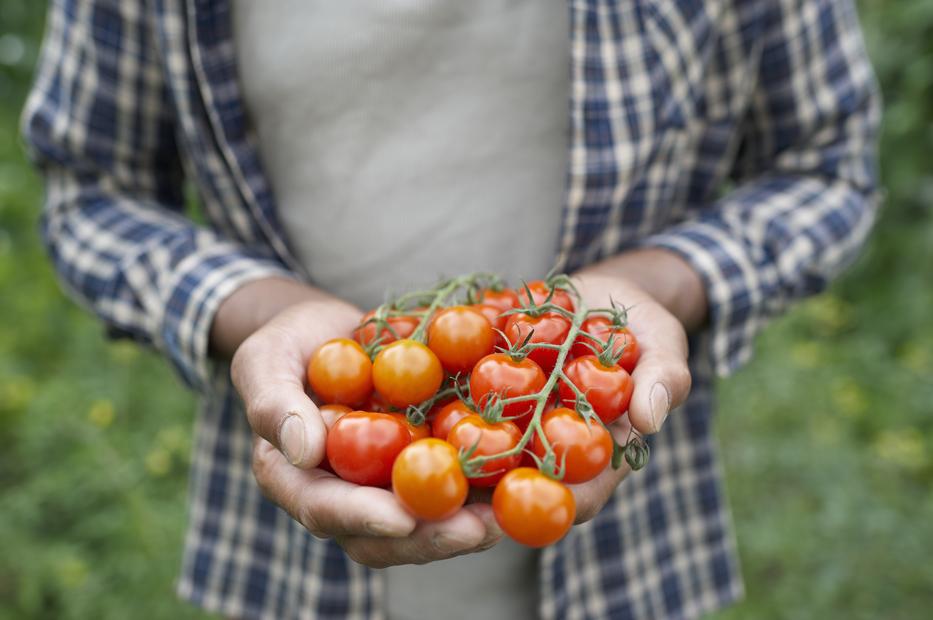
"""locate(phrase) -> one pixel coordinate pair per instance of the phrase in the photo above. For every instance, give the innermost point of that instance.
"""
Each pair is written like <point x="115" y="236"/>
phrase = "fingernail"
<point x="659" y="400"/>
<point x="292" y="439"/>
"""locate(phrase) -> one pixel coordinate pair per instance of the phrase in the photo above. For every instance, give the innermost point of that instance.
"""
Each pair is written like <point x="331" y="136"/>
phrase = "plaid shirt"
<point x="738" y="133"/>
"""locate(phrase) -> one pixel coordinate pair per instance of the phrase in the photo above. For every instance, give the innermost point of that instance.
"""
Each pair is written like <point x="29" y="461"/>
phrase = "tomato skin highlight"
<point x="406" y="373"/>
<point x="448" y="416"/>
<point x="428" y="481"/>
<point x="539" y="292"/>
<point x="533" y="509"/>
<point x="417" y="432"/>
<point x="608" y="388"/>
<point x="362" y="445"/>
<point x="404" y="326"/>
<point x="585" y="449"/>
<point x="489" y="439"/>
<point x="624" y="342"/>
<point x="549" y="328"/>
<point x="460" y="336"/>
<point x="330" y="413"/>
<point x="500" y="376"/>
<point x="504" y="299"/>
<point x="340" y="372"/>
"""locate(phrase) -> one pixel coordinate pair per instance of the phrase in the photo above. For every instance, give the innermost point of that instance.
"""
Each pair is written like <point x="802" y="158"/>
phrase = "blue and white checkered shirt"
<point x="738" y="133"/>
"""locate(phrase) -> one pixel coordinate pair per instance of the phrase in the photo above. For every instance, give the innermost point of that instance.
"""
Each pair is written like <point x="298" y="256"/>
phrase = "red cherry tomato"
<point x="493" y="315"/>
<point x="533" y="509"/>
<point x="488" y="439"/>
<point x="498" y="375"/>
<point x="407" y="373"/>
<point x="428" y="481"/>
<point x="624" y="343"/>
<point x="403" y="326"/>
<point x="341" y="372"/>
<point x="608" y="389"/>
<point x="448" y="416"/>
<point x="419" y="431"/>
<point x="539" y="292"/>
<point x="549" y="328"/>
<point x="361" y="447"/>
<point x="330" y="414"/>
<point x="504" y="299"/>
<point x="585" y="449"/>
<point x="377" y="403"/>
<point x="460" y="336"/>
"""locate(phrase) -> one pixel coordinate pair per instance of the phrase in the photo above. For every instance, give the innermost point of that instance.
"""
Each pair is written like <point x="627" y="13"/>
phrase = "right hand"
<point x="268" y="372"/>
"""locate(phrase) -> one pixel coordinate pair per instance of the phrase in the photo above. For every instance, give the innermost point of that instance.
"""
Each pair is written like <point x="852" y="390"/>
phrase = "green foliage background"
<point x="826" y="436"/>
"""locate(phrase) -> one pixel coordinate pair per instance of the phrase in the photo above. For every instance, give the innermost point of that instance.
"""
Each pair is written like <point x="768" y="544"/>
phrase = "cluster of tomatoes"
<point x="506" y="389"/>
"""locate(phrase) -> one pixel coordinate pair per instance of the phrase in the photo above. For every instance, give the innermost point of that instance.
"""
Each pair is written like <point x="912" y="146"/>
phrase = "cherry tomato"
<point x="417" y="432"/>
<point x="539" y="292"/>
<point x="608" y="388"/>
<point x="403" y="325"/>
<point x="450" y="414"/>
<point x="624" y="342"/>
<point x="377" y="402"/>
<point x="407" y="373"/>
<point x="584" y="448"/>
<point x="488" y="439"/>
<point x="493" y="315"/>
<point x="498" y="375"/>
<point x="533" y="509"/>
<point x="460" y="336"/>
<point x="341" y="372"/>
<point x="428" y="481"/>
<point x="504" y="299"/>
<point x="362" y="445"/>
<point x="330" y="414"/>
<point x="549" y="328"/>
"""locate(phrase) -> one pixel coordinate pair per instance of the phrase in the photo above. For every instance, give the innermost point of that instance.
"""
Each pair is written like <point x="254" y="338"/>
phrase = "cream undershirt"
<point x="405" y="140"/>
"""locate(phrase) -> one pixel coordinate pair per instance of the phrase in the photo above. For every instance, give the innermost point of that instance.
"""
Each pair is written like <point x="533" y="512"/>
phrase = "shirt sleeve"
<point x="100" y="126"/>
<point x="805" y="192"/>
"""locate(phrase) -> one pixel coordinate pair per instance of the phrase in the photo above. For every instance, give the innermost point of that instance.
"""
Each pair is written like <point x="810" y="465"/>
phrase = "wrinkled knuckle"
<point x="261" y="465"/>
<point x="361" y="554"/>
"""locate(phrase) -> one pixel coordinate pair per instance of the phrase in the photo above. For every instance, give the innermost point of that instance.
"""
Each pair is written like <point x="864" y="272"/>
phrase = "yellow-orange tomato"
<point x="533" y="509"/>
<point x="407" y="373"/>
<point x="341" y="372"/>
<point x="428" y="481"/>
<point x="460" y="336"/>
<point x="419" y="431"/>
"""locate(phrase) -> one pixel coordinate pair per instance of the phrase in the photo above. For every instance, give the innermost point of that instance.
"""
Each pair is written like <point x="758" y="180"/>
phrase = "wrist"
<point x="664" y="275"/>
<point x="256" y="303"/>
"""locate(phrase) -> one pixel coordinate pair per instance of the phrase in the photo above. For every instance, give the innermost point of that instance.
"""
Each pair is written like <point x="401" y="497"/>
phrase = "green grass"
<point x="826" y="436"/>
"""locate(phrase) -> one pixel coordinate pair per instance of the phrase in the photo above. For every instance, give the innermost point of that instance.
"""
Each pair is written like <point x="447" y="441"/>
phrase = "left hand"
<point x="662" y="377"/>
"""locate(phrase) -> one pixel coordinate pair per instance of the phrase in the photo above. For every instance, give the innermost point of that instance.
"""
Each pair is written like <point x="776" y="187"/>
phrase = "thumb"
<point x="271" y="385"/>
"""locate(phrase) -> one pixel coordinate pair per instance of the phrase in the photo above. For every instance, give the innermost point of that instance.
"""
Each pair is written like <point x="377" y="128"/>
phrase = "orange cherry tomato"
<point x="407" y="373"/>
<point x="533" y="509"/>
<point x="460" y="336"/>
<point x="493" y="315"/>
<point x="448" y="416"/>
<point x="585" y="449"/>
<point x="503" y="299"/>
<point x="403" y="326"/>
<point x="419" y="431"/>
<point x="624" y="342"/>
<point x="608" y="389"/>
<point x="539" y="292"/>
<point x="362" y="445"/>
<point x="341" y="372"/>
<point x="486" y="439"/>
<point x="428" y="481"/>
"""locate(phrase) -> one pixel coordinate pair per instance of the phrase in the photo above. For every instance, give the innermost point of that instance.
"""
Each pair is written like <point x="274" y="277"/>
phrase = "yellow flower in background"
<point x="904" y="448"/>
<point x="828" y="312"/>
<point x="158" y="462"/>
<point x="72" y="571"/>
<point x="850" y="397"/>
<point x="17" y="392"/>
<point x="123" y="351"/>
<point x="806" y="354"/>
<point x="101" y="413"/>
<point x="915" y="357"/>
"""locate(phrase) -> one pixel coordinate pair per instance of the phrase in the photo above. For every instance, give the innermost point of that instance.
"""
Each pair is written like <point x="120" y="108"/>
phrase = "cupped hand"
<point x="268" y="371"/>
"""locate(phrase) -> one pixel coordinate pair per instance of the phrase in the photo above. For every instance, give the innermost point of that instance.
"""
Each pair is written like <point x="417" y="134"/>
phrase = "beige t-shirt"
<point x="405" y="140"/>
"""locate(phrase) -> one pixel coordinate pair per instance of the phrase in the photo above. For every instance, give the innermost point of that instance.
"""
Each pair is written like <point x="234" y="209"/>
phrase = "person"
<point x="704" y="163"/>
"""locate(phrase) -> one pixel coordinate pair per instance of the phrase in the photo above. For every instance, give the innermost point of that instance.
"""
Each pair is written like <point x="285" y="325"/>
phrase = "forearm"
<point x="254" y="304"/>
<point x="663" y="275"/>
